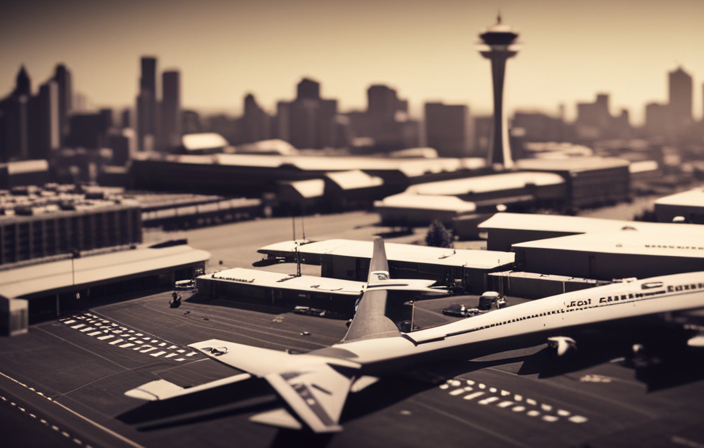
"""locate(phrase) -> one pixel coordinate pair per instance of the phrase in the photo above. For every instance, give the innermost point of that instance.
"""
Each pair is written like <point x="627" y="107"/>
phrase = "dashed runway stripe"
<point x="493" y="396"/>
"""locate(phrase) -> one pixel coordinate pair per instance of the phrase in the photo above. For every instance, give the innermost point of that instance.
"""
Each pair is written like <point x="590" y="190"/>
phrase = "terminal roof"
<point x="277" y="280"/>
<point x="426" y="202"/>
<point x="481" y="259"/>
<point x="485" y="184"/>
<point x="58" y="276"/>
<point x="691" y="198"/>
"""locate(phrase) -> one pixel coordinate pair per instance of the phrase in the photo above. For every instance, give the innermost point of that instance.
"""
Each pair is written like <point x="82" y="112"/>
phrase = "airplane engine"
<point x="562" y="344"/>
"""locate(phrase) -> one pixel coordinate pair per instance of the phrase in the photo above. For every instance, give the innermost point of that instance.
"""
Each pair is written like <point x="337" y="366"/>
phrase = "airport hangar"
<point x="349" y="260"/>
<point x="503" y="230"/>
<point x="40" y="291"/>
<point x="251" y="175"/>
<point x="687" y="204"/>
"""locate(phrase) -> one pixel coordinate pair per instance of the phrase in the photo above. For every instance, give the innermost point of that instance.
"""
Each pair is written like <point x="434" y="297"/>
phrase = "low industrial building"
<point x="27" y="172"/>
<point x="42" y="223"/>
<point x="531" y="285"/>
<point x="53" y="287"/>
<point x="503" y="230"/>
<point x="688" y="204"/>
<point x="449" y="200"/>
<point x="276" y="289"/>
<point x="591" y="181"/>
<point x="613" y="255"/>
<point x="462" y="270"/>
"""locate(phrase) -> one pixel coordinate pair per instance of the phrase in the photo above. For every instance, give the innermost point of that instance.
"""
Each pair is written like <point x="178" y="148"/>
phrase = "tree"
<point x="439" y="236"/>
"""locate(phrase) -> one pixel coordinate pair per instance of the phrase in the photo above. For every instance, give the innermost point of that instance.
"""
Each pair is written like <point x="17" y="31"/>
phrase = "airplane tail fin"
<point x="370" y="321"/>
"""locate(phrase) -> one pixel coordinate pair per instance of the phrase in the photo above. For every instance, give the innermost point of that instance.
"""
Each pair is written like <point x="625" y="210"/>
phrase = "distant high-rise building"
<point x="147" y="106"/>
<point x="256" y="123"/>
<point x="538" y="127"/>
<point x="16" y="117"/>
<point x="500" y="40"/>
<point x="680" y="100"/>
<point x="308" y="121"/>
<point x="656" y="119"/>
<point x="62" y="76"/>
<point x="23" y="85"/>
<point x="48" y="116"/>
<point x="171" y="121"/>
<point x="448" y="129"/>
<point x="593" y="119"/>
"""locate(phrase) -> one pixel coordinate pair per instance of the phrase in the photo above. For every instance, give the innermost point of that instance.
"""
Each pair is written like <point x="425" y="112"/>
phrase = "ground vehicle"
<point x="456" y="309"/>
<point x="491" y="300"/>
<point x="185" y="284"/>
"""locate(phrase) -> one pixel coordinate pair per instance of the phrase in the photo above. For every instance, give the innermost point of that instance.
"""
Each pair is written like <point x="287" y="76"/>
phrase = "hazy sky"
<point x="425" y="49"/>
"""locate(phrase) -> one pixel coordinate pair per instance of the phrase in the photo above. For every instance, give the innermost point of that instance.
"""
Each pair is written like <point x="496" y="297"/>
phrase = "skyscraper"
<point x="448" y="129"/>
<point x="308" y="122"/>
<point x="171" y="121"/>
<point x="499" y="46"/>
<point x="146" y="105"/>
<point x="680" y="99"/>
<point x="62" y="76"/>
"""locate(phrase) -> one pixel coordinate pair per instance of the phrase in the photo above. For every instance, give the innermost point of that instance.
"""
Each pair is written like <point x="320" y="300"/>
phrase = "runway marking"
<point x="578" y="419"/>
<point x="95" y="333"/>
<point x="444" y="386"/>
<point x="518" y="397"/>
<point x="533" y="413"/>
<point x="546" y="407"/>
<point x="470" y="382"/>
<point x="87" y="329"/>
<point x="482" y="386"/>
<point x="78" y="326"/>
<point x="180" y="359"/>
<point x="563" y="413"/>
<point x="148" y="350"/>
<point x="492" y="390"/>
<point x="457" y="392"/>
<point x="505" y="393"/>
<point x="170" y="355"/>
<point x="103" y="338"/>
<point x="488" y="400"/>
<point x="504" y="404"/>
<point x="69" y="322"/>
<point x="157" y="354"/>
<point x="191" y="354"/>
<point x="531" y="402"/>
<point x="550" y="418"/>
<point x="474" y="395"/>
<point x="126" y="345"/>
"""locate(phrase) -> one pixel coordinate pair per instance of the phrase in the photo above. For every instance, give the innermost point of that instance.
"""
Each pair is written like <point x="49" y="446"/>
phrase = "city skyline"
<point x="427" y="52"/>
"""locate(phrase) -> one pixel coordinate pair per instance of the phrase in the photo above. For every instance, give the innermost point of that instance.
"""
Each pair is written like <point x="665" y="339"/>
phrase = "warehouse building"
<point x="591" y="181"/>
<point x="276" y="289"/>
<point x="614" y="255"/>
<point x="59" y="286"/>
<point x="462" y="270"/>
<point x="688" y="204"/>
<point x="503" y="230"/>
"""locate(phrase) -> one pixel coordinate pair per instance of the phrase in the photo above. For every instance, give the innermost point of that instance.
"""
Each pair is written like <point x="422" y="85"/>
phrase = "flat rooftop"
<point x="691" y="198"/>
<point x="573" y="164"/>
<point x="266" y="279"/>
<point x="577" y="224"/>
<point x="426" y="202"/>
<point x="479" y="259"/>
<point x="95" y="269"/>
<point x="632" y="243"/>
<point x="486" y="184"/>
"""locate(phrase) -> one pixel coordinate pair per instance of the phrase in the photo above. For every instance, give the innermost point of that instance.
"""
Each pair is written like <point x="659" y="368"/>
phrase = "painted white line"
<point x="482" y="386"/>
<point x="469" y="389"/>
<point x="563" y="413"/>
<point x="457" y="392"/>
<point x="69" y="322"/>
<point x="132" y="338"/>
<point x="138" y="334"/>
<point x="95" y="333"/>
<point x="117" y="341"/>
<point x="65" y="434"/>
<point x="454" y="383"/>
<point x="442" y="386"/>
<point x="531" y="402"/>
<point x="191" y="354"/>
<point x="174" y="354"/>
<point x="505" y="393"/>
<point x="87" y="329"/>
<point x="162" y="344"/>
<point x="518" y="409"/>
<point x="533" y="413"/>
<point x="126" y="345"/>
<point x="78" y="326"/>
<point x="470" y="382"/>
<point x="546" y="407"/>
<point x="181" y="351"/>
<point x="54" y="427"/>
<point x="102" y="338"/>
<point x="154" y="341"/>
<point x="489" y="400"/>
<point x="77" y="442"/>
<point x="504" y="404"/>
<point x="474" y="395"/>
<point x="492" y="390"/>
<point x="180" y="359"/>
<point x="550" y="418"/>
<point x="157" y="354"/>
<point x="173" y="347"/>
<point x="578" y="419"/>
<point x="518" y="398"/>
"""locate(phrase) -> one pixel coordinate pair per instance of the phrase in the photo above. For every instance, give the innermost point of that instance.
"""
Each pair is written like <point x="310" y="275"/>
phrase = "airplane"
<point x="315" y="385"/>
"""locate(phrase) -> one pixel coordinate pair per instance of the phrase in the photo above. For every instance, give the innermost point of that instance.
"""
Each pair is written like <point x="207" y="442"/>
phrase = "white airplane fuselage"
<point x="520" y="325"/>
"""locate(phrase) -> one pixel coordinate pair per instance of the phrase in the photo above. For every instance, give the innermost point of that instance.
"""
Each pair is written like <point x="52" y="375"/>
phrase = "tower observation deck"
<point x="498" y="44"/>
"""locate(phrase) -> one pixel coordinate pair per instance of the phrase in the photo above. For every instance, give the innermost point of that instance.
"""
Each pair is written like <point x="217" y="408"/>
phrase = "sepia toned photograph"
<point x="395" y="223"/>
